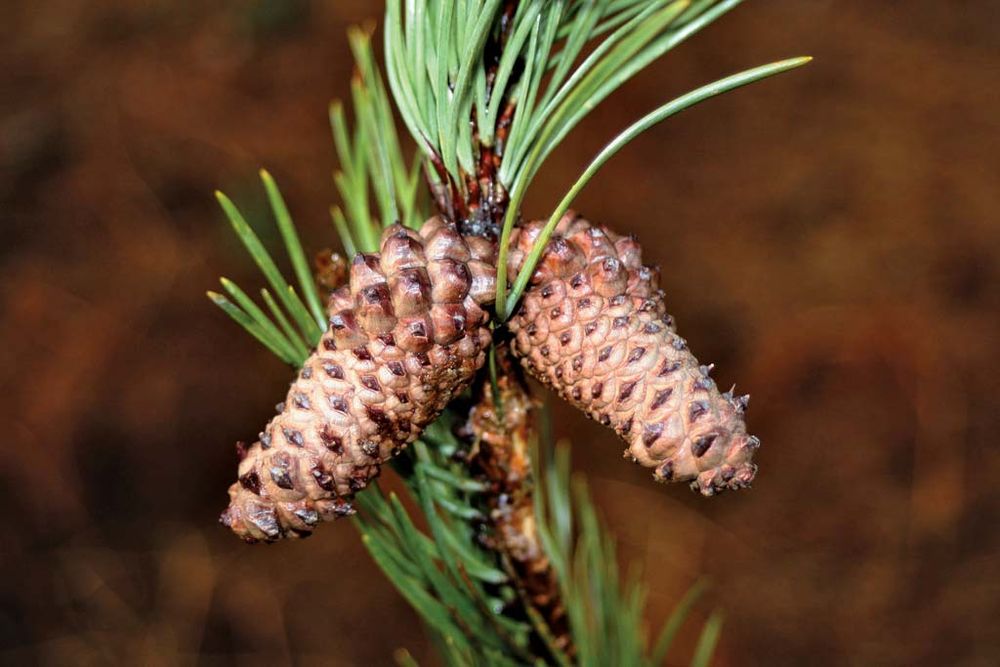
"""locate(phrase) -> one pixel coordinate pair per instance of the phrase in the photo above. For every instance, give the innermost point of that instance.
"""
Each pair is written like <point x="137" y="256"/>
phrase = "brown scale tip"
<point x="725" y="478"/>
<point x="737" y="472"/>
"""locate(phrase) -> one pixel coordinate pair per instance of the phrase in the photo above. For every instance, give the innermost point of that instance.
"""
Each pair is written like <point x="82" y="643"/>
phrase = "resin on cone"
<point x="406" y="335"/>
<point x="593" y="326"/>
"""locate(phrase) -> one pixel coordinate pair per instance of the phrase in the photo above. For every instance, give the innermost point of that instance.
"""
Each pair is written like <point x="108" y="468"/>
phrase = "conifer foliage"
<point x="412" y="358"/>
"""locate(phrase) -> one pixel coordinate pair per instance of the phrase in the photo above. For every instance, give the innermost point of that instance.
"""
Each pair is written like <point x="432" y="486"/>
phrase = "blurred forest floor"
<point x="830" y="239"/>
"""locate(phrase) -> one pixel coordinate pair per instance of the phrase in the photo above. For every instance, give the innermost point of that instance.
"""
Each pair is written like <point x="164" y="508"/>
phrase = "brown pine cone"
<point x="593" y="327"/>
<point x="406" y="335"/>
<point x="501" y="456"/>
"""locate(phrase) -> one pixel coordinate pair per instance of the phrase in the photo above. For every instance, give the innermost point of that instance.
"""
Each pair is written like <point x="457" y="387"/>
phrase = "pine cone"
<point x="593" y="327"/>
<point x="502" y="456"/>
<point x="406" y="335"/>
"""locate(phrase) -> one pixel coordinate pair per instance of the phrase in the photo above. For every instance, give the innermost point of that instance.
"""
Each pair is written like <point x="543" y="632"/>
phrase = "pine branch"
<point x="488" y="89"/>
<point x="492" y="599"/>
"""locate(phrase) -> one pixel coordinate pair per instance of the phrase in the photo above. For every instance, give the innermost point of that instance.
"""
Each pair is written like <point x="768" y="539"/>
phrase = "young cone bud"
<point x="501" y="455"/>
<point x="593" y="326"/>
<point x="406" y="335"/>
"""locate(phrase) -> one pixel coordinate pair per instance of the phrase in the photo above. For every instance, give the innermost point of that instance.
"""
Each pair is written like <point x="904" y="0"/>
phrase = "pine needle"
<point x="294" y="247"/>
<point x="707" y="641"/>
<point x="658" y="115"/>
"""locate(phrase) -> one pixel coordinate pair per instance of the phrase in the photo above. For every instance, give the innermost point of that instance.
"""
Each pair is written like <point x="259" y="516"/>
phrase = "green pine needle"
<point x="343" y="231"/>
<point x="262" y="258"/>
<point x="470" y="62"/>
<point x="431" y="610"/>
<point x="251" y="327"/>
<point x="299" y="346"/>
<point x="674" y="622"/>
<point x="294" y="247"/>
<point x="404" y="659"/>
<point x="662" y="113"/>
<point x="458" y="482"/>
<point x="257" y="315"/>
<point x="707" y="641"/>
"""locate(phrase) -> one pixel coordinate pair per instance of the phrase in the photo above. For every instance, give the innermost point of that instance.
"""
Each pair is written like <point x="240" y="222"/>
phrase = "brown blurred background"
<point x="831" y="239"/>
